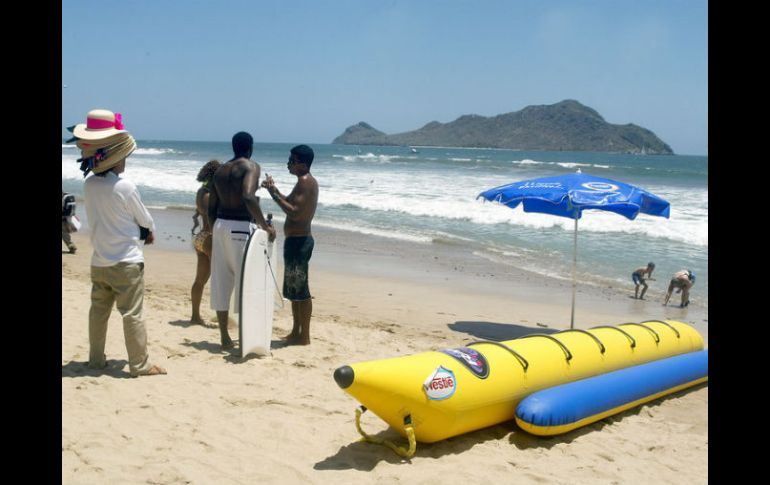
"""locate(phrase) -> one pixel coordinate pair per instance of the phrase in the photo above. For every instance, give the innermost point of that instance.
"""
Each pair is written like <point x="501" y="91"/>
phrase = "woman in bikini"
<point x="202" y="240"/>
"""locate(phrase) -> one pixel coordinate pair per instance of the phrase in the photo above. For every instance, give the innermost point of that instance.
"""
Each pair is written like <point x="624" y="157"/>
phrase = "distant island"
<point x="567" y="125"/>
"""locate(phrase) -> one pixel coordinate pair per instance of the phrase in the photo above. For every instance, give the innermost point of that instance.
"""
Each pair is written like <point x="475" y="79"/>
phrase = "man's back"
<point x="681" y="275"/>
<point x="232" y="181"/>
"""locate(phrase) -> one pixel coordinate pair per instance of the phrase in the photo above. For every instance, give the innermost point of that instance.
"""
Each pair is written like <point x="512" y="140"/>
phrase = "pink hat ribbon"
<point x="97" y="124"/>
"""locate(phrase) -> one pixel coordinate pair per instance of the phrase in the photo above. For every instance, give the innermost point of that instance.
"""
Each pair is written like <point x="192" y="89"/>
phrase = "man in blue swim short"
<point x="639" y="279"/>
<point x="299" y="206"/>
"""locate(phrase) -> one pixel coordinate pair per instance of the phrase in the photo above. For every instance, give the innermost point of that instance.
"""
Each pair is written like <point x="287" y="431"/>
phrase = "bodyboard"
<point x="257" y="293"/>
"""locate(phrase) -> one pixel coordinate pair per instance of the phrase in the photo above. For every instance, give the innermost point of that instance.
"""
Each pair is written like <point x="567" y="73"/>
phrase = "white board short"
<point x="228" y="242"/>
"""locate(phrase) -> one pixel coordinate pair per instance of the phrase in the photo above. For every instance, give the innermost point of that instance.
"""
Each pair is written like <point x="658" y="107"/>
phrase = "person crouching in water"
<point x="640" y="280"/>
<point x="682" y="281"/>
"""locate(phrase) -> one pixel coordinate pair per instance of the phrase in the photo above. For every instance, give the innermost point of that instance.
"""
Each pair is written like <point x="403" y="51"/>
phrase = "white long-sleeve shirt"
<point x="115" y="211"/>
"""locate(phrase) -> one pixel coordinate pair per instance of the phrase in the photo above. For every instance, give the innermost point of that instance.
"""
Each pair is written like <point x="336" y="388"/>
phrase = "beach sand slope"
<point x="217" y="418"/>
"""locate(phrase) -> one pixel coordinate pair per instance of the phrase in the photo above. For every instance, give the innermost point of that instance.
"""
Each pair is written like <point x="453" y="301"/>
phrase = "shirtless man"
<point x="233" y="210"/>
<point x="682" y="281"/>
<point x="299" y="207"/>
<point x="639" y="279"/>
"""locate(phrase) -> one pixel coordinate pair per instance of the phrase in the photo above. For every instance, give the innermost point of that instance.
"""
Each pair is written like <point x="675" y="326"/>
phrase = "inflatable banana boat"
<point x="435" y="395"/>
<point x="569" y="406"/>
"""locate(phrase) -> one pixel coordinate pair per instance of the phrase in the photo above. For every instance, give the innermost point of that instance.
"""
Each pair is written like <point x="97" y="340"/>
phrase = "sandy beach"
<point x="217" y="418"/>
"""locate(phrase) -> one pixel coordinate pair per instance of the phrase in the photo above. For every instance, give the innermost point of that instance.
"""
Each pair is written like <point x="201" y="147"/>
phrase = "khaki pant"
<point x="123" y="285"/>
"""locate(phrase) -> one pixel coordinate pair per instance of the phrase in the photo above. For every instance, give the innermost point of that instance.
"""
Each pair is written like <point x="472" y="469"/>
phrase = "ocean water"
<point x="427" y="195"/>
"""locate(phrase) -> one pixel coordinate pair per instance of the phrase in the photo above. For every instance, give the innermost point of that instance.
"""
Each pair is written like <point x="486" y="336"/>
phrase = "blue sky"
<point x="302" y="71"/>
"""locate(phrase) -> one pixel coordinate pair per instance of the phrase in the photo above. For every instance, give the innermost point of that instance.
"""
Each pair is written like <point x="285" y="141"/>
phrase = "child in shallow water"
<point x="639" y="280"/>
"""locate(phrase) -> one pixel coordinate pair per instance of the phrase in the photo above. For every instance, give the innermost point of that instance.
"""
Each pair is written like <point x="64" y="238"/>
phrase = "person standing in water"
<point x="639" y="280"/>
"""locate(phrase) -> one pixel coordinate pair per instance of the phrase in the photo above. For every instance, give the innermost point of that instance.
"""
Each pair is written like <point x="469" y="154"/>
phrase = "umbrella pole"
<point x="574" y="269"/>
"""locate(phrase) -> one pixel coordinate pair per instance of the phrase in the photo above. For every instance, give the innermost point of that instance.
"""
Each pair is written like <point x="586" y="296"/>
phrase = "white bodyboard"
<point x="257" y="294"/>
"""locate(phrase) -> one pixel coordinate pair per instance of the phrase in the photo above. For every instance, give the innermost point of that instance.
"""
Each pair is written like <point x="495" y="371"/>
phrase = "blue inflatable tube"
<point x="569" y="406"/>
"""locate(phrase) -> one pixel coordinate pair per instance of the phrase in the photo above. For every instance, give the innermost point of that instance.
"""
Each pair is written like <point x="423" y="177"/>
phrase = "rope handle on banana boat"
<point x="666" y="324"/>
<point x="518" y="356"/>
<point x="628" y="336"/>
<point x="564" y="348"/>
<point x="399" y="450"/>
<point x="602" y="349"/>
<point x="653" y="332"/>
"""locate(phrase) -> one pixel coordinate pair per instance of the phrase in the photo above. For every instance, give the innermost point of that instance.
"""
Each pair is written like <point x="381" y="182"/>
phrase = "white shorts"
<point x="228" y="243"/>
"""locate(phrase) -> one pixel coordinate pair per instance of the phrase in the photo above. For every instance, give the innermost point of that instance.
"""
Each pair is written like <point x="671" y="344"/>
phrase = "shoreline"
<point x="451" y="268"/>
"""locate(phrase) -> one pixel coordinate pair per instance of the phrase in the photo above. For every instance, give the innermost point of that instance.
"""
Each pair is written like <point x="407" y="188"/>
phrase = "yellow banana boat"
<point x="435" y="395"/>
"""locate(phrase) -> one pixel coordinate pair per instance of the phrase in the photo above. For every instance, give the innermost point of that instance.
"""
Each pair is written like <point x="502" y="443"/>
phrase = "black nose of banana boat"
<point x="344" y="376"/>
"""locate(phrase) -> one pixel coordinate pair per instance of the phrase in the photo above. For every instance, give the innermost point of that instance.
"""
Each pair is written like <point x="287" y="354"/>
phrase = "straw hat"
<point x="99" y="156"/>
<point x="100" y="123"/>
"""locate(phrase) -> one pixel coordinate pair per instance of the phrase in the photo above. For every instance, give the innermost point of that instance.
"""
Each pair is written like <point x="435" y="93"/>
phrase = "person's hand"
<point x="150" y="238"/>
<point x="270" y="233"/>
<point x="268" y="183"/>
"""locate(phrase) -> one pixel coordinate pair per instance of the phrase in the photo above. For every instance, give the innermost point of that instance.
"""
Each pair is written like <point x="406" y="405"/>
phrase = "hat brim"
<point x="114" y="158"/>
<point x="82" y="132"/>
<point x="100" y="142"/>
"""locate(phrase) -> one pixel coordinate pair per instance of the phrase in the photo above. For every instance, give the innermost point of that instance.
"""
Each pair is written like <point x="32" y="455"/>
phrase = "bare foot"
<point x="201" y="322"/>
<point x="291" y="337"/>
<point x="294" y="339"/>
<point x="155" y="370"/>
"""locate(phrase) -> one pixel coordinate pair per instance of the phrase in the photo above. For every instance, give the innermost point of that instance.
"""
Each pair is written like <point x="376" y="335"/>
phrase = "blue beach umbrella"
<point x="569" y="195"/>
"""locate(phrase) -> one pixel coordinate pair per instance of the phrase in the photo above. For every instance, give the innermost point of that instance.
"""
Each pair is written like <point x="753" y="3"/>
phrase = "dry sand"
<point x="219" y="419"/>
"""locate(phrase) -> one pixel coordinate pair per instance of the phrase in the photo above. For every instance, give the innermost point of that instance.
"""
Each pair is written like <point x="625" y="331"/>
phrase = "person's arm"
<point x="202" y="209"/>
<point x="205" y="214"/>
<point x="291" y="205"/>
<point x="140" y="213"/>
<point x="249" y="196"/>
<point x="213" y="205"/>
<point x="196" y="222"/>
